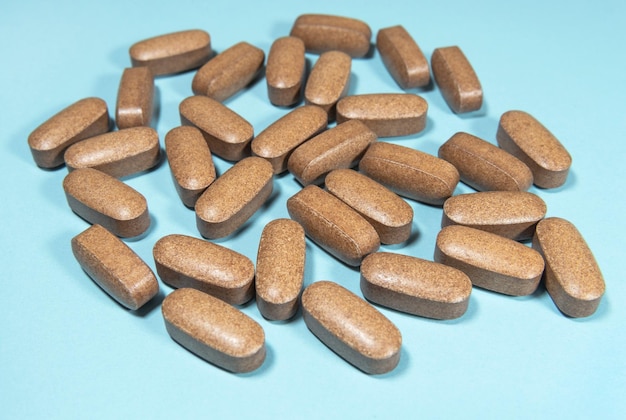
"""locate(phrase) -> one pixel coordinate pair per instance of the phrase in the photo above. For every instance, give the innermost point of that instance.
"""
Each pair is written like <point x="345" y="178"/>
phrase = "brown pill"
<point x="572" y="276"/>
<point x="277" y="142"/>
<point x="83" y="119"/>
<point x="226" y="132"/>
<point x="214" y="330"/>
<point x="118" y="153"/>
<point x="228" y="72"/>
<point x="456" y="79"/>
<point x="135" y="98"/>
<point x="234" y="197"/>
<point x="415" y="286"/>
<point x="285" y="71"/>
<point x="389" y="214"/>
<point x="410" y="173"/>
<point x="322" y="33"/>
<point x="102" y="199"/>
<point x="116" y="268"/>
<point x="333" y="225"/>
<point x="280" y="269"/>
<point x="520" y="134"/>
<point x="512" y="214"/>
<point x="489" y="260"/>
<point x="351" y="327"/>
<point x="340" y="147"/>
<point x="329" y="81"/>
<point x="172" y="53"/>
<point x="190" y="162"/>
<point x="184" y="261"/>
<point x="386" y="114"/>
<point x="484" y="166"/>
<point x="403" y="57"/>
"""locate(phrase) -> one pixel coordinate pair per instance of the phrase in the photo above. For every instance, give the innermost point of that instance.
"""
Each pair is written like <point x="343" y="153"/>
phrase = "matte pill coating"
<point x="102" y="199"/>
<point x="135" y="98"/>
<point x="389" y="214"/>
<point x="280" y="269"/>
<point x="83" y="119"/>
<point x="415" y="286"/>
<point x="333" y="225"/>
<point x="322" y="33"/>
<point x="403" y="57"/>
<point x="234" y="197"/>
<point x="340" y="147"/>
<point x="410" y="173"/>
<point x="386" y="114"/>
<point x="491" y="261"/>
<point x="351" y="327"/>
<point x="172" y="53"/>
<point x="572" y="276"/>
<point x="228" y="72"/>
<point x="456" y="79"/>
<point x="512" y="214"/>
<point x="184" y="261"/>
<point x="116" y="268"/>
<point x="191" y="163"/>
<point x="226" y="132"/>
<point x="118" y="153"/>
<point x="484" y="166"/>
<point x="212" y="329"/>
<point x="278" y="141"/>
<point x="329" y="81"/>
<point x="285" y="71"/>
<point x="520" y="134"/>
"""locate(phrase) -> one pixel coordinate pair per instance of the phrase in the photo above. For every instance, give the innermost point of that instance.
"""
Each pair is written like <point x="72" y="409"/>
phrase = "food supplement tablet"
<point x="484" y="166"/>
<point x="83" y="119"/>
<point x="116" y="268"/>
<point x="490" y="261"/>
<point x="333" y="225"/>
<point x="234" y="197"/>
<point x="322" y="33"/>
<point x="403" y="57"/>
<point x="415" y="286"/>
<point x="285" y="71"/>
<point x="329" y="81"/>
<point x="172" y="53"/>
<point x="214" y="330"/>
<point x="389" y="214"/>
<point x="280" y="269"/>
<point x="184" y="261"/>
<point x="520" y="134"/>
<point x="456" y="79"/>
<point x="572" y="276"/>
<point x="135" y="98"/>
<point x="351" y="327"/>
<point x="102" y="199"/>
<point x="409" y="172"/>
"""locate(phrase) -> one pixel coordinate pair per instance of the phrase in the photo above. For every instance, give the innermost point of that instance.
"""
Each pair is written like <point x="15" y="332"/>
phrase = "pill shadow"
<point x="570" y="182"/>
<point x="353" y="87"/>
<point x="413" y="238"/>
<point x="400" y="370"/>
<point x="150" y="306"/>
<point x="481" y="112"/>
<point x="265" y="367"/>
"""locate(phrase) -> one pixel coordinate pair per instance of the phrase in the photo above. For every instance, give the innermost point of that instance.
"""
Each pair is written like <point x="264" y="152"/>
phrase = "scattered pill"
<point x="329" y="81"/>
<point x="135" y="98"/>
<point x="285" y="71"/>
<point x="403" y="57"/>
<point x="456" y="79"/>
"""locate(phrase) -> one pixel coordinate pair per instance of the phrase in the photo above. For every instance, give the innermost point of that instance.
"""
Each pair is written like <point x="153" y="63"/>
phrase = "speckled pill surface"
<point x="329" y="81"/>
<point x="135" y="98"/>
<point x="118" y="153"/>
<point x="234" y="197"/>
<point x="83" y="119"/>
<point x="172" y="53"/>
<point x="572" y="276"/>
<point x="456" y="79"/>
<point x="322" y="33"/>
<point x="102" y="199"/>
<point x="214" y="330"/>
<point x="403" y="57"/>
<point x="116" y="268"/>
<point x="409" y="172"/>
<point x="333" y="225"/>
<point x="484" y="166"/>
<point x="351" y="327"/>
<point x="285" y="71"/>
<point x="490" y="261"/>
<point x="415" y="286"/>
<point x="520" y="134"/>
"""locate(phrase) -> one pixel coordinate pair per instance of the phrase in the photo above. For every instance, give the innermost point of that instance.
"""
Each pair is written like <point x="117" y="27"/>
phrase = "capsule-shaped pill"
<point x="403" y="57"/>
<point x="456" y="79"/>
<point x="214" y="330"/>
<point x="135" y="98"/>
<point x="116" y="268"/>
<point x="285" y="71"/>
<point x="415" y="286"/>
<point x="322" y="33"/>
<point x="572" y="276"/>
<point x="329" y="81"/>
<point x="83" y="119"/>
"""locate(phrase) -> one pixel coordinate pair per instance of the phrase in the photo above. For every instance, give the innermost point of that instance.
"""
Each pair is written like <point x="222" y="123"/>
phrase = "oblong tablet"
<point x="135" y="98"/>
<point x="456" y="79"/>
<point x="214" y="330"/>
<point x="322" y="33"/>
<point x="351" y="327"/>
<point x="415" y="286"/>
<point x="285" y="71"/>
<point x="116" y="268"/>
<point x="403" y="57"/>
<point x="329" y="81"/>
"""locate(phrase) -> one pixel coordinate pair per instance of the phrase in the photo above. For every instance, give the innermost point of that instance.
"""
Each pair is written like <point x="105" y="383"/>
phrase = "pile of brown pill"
<point x="352" y="200"/>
